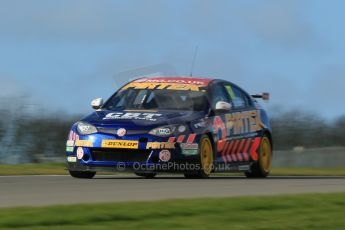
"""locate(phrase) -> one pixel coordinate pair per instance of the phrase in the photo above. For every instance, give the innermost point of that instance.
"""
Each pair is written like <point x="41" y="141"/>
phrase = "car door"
<point x="221" y="133"/>
<point x="240" y="125"/>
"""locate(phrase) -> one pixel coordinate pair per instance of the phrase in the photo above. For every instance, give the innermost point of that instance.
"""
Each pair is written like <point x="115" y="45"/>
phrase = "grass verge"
<point x="59" y="169"/>
<point x="33" y="169"/>
<point x="311" y="211"/>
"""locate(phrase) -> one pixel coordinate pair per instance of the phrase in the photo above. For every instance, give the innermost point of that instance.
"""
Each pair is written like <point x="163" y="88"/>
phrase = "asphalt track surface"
<point x="50" y="190"/>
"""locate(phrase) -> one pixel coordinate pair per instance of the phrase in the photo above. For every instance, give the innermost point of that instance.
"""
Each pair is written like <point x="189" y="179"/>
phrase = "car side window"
<point x="219" y="94"/>
<point x="238" y="98"/>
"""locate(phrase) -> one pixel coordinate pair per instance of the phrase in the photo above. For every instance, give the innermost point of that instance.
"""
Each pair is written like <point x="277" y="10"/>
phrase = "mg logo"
<point x="121" y="132"/>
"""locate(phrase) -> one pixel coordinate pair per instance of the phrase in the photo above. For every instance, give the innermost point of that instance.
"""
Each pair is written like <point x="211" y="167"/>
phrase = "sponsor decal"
<point x="243" y="122"/>
<point x="180" y="138"/>
<point x="189" y="146"/>
<point x="84" y="143"/>
<point x="219" y="128"/>
<point x="70" y="143"/>
<point x="73" y="136"/>
<point x="71" y="159"/>
<point x="240" y="123"/>
<point x="171" y="139"/>
<point x="165" y="155"/>
<point x="189" y="149"/>
<point x="200" y="124"/>
<point x="169" y="80"/>
<point x="80" y="153"/>
<point x="120" y="144"/>
<point x="241" y="150"/>
<point x="121" y="132"/>
<point x="245" y="150"/>
<point x="181" y="128"/>
<point x="160" y="145"/>
<point x="190" y="152"/>
<point x="253" y="150"/>
<point x="191" y="138"/>
<point x="161" y="85"/>
<point x="69" y="149"/>
<point x="132" y="116"/>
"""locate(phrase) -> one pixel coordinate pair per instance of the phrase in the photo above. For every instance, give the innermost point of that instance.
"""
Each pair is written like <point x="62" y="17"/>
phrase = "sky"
<point x="58" y="55"/>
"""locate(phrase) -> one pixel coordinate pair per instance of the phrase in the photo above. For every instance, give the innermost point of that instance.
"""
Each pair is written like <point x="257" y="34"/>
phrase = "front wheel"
<point x="82" y="175"/>
<point x="262" y="167"/>
<point x="206" y="160"/>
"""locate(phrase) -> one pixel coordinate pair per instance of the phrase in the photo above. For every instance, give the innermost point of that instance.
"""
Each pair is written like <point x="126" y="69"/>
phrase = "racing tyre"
<point x="262" y="167"/>
<point x="146" y="175"/>
<point x="82" y="175"/>
<point x="206" y="160"/>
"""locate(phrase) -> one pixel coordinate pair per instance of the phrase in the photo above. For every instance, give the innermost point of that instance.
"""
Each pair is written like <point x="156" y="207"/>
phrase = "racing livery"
<point x="195" y="126"/>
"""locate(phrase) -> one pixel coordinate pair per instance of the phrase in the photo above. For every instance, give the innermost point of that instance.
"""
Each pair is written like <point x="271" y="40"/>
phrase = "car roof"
<point x="176" y="79"/>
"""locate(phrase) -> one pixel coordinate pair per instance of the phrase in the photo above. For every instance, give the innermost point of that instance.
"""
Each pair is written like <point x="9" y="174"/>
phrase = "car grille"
<point x="114" y="131"/>
<point x="121" y="155"/>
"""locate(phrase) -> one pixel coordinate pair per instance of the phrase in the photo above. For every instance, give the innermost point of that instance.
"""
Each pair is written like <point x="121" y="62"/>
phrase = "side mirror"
<point x="222" y="106"/>
<point x="97" y="103"/>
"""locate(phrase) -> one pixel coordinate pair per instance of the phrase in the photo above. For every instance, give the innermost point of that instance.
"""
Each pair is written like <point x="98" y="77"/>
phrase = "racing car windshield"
<point x="158" y="99"/>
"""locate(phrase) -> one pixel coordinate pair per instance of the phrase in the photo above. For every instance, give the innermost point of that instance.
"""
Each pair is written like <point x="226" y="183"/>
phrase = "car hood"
<point x="142" y="118"/>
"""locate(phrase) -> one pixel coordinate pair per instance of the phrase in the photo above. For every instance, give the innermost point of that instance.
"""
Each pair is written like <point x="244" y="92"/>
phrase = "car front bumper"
<point x="105" y="153"/>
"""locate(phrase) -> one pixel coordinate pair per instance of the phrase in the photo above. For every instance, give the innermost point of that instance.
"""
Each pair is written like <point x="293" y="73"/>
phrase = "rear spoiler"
<point x="263" y="96"/>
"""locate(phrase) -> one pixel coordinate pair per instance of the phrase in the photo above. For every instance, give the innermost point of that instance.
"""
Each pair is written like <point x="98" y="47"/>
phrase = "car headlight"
<point x="165" y="131"/>
<point x="85" y="128"/>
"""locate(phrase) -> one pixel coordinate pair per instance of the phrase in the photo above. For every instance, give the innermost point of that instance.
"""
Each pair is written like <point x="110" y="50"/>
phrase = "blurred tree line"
<point x="25" y="137"/>
<point x="28" y="138"/>
<point x="308" y="130"/>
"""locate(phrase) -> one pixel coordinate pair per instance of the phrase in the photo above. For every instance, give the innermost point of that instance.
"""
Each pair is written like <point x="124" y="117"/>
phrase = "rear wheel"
<point x="82" y="175"/>
<point x="262" y="167"/>
<point x="146" y="175"/>
<point x="206" y="160"/>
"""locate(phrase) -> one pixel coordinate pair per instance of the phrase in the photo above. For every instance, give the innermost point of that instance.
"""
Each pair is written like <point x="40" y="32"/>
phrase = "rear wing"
<point x="263" y="96"/>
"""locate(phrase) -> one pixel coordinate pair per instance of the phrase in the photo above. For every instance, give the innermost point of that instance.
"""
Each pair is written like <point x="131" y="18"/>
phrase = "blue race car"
<point x="195" y="126"/>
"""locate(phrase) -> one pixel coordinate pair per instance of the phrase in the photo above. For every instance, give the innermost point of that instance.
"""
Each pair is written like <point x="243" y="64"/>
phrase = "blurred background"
<point x="57" y="55"/>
